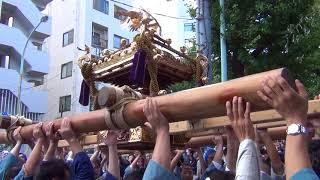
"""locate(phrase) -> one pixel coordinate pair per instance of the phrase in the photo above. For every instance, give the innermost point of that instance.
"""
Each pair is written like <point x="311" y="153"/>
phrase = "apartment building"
<point x="76" y="23"/>
<point x="18" y="19"/>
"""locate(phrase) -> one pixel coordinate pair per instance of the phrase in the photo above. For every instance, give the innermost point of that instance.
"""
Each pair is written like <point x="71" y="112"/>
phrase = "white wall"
<point x="77" y="15"/>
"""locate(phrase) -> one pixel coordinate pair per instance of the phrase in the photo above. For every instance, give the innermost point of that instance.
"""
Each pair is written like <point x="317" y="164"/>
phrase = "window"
<point x="189" y="27"/>
<point x="99" y="36"/>
<point x="68" y="38"/>
<point x="118" y="9"/>
<point x="65" y="103"/>
<point x="101" y="5"/>
<point x="2" y="61"/>
<point x="66" y="70"/>
<point x="117" y="41"/>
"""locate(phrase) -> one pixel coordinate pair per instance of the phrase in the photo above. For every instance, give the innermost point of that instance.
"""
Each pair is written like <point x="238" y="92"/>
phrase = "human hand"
<point x="16" y="135"/>
<point x="290" y="104"/>
<point x="231" y="136"/>
<point x="240" y="119"/>
<point x="218" y="140"/>
<point x="66" y="131"/>
<point x="154" y="116"/>
<point x="51" y="136"/>
<point x="111" y="138"/>
<point x="37" y="132"/>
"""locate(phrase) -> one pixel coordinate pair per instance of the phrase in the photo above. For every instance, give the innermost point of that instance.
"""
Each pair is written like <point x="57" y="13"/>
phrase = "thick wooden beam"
<point x="264" y="119"/>
<point x="194" y="142"/>
<point x="207" y="101"/>
<point x="193" y="104"/>
<point x="86" y="140"/>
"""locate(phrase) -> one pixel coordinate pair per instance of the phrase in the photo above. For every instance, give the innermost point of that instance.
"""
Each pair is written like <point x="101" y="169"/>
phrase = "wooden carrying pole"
<point x="192" y="104"/>
<point x="196" y="142"/>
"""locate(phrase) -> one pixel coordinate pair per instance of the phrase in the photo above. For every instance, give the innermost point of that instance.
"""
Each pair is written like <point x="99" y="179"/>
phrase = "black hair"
<point x="314" y="151"/>
<point x="12" y="172"/>
<point x="221" y="175"/>
<point x="55" y="168"/>
<point x="136" y="175"/>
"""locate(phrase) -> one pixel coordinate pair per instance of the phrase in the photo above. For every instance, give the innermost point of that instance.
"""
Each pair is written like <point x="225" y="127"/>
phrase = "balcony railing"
<point x="99" y="42"/>
<point x="98" y="45"/>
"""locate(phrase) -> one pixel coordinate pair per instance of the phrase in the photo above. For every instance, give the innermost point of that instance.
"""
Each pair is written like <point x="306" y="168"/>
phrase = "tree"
<point x="264" y="35"/>
<point x="191" y="52"/>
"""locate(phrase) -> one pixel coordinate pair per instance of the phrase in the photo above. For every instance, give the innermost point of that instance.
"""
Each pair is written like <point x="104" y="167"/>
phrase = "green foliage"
<point x="192" y="52"/>
<point x="182" y="86"/>
<point x="264" y="35"/>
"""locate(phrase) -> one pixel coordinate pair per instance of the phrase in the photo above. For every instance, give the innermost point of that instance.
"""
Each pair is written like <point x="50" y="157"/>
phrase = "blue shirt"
<point x="21" y="176"/>
<point x="305" y="174"/>
<point x="155" y="171"/>
<point x="210" y="169"/>
<point x="128" y="171"/>
<point x="8" y="162"/>
<point x="81" y="167"/>
<point x="108" y="176"/>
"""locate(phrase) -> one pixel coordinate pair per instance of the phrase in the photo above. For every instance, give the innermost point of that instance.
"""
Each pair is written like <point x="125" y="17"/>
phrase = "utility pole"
<point x="223" y="47"/>
<point x="203" y="30"/>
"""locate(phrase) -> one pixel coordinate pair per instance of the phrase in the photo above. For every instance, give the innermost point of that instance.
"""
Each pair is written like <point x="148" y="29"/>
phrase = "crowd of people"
<point x="247" y="153"/>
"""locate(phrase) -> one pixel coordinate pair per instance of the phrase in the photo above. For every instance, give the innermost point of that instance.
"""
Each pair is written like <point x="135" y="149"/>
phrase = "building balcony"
<point x="12" y="42"/>
<point x="28" y="16"/>
<point x="98" y="45"/>
<point x="34" y="101"/>
<point x="41" y="4"/>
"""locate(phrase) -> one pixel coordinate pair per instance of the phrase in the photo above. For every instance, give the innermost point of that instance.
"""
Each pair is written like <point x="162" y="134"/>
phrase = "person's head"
<point x="221" y="175"/>
<point x="22" y="158"/>
<point x="131" y="158"/>
<point x="208" y="154"/>
<point x="135" y="175"/>
<point x="148" y="157"/>
<point x="140" y="162"/>
<point x="188" y="151"/>
<point x="12" y="172"/>
<point x="186" y="172"/>
<point x="55" y="169"/>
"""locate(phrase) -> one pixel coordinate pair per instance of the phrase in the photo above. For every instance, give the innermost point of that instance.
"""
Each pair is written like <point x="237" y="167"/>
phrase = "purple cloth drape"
<point x="84" y="94"/>
<point x="138" y="70"/>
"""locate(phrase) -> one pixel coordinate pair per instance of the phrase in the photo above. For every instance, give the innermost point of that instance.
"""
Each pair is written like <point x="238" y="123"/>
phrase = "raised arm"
<point x="203" y="164"/>
<point x="293" y="106"/>
<point x="81" y="165"/>
<point x="232" y="149"/>
<point x="68" y="134"/>
<point x="219" y="149"/>
<point x="161" y="127"/>
<point x="36" y="154"/>
<point x="176" y="159"/>
<point x="247" y="163"/>
<point x="135" y="161"/>
<point x="16" y="149"/>
<point x="53" y="142"/>
<point x="94" y="157"/>
<point x="114" y="166"/>
<point x="276" y="163"/>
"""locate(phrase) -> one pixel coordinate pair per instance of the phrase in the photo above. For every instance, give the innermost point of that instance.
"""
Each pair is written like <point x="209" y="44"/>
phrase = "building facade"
<point x="76" y="23"/>
<point x="18" y="19"/>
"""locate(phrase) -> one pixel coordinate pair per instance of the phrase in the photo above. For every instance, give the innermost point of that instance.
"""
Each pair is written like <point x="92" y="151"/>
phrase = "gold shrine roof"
<point x="116" y="69"/>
